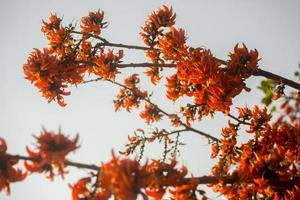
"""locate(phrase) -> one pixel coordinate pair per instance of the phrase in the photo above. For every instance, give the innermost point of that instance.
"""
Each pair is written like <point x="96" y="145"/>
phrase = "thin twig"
<point x="238" y="120"/>
<point x="167" y="114"/>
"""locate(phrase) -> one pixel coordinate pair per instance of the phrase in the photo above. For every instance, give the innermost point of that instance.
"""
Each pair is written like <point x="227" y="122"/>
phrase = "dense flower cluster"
<point x="126" y="179"/>
<point x="50" y="154"/>
<point x="8" y="172"/>
<point x="266" y="166"/>
<point x="50" y="75"/>
<point x="60" y="40"/>
<point x="66" y="60"/>
<point x="212" y="83"/>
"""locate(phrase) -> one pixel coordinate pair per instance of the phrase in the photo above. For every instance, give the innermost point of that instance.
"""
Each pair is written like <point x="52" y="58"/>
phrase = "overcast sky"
<point x="273" y="28"/>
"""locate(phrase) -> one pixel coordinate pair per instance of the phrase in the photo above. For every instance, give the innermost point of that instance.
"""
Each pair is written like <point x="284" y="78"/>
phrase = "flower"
<point x="242" y="61"/>
<point x="151" y="114"/>
<point x="122" y="178"/>
<point x="163" y="17"/>
<point x="51" y="152"/>
<point x="93" y="23"/>
<point x="106" y="64"/>
<point x="8" y="173"/>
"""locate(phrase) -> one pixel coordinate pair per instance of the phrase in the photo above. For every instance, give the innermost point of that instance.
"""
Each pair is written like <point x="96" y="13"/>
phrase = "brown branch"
<point x="258" y="72"/>
<point x="277" y="78"/>
<point x="238" y="120"/>
<point x="167" y="114"/>
<point x="67" y="162"/>
<point x="200" y="180"/>
<point x="105" y="42"/>
<point x="146" y="65"/>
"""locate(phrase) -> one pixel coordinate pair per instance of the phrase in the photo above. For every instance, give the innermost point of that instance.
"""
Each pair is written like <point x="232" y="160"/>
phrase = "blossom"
<point x="154" y="75"/>
<point x="51" y="152"/>
<point x="242" y="61"/>
<point x="163" y="17"/>
<point x="93" y="23"/>
<point x="50" y="75"/>
<point x="130" y="95"/>
<point x="59" y="38"/>
<point x="172" y="44"/>
<point x="122" y="178"/>
<point x="265" y="166"/>
<point x="106" y="64"/>
<point x="8" y="172"/>
<point x="53" y="24"/>
<point x="151" y="114"/>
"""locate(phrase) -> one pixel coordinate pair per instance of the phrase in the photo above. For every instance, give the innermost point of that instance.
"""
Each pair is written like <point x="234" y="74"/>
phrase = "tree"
<point x="264" y="166"/>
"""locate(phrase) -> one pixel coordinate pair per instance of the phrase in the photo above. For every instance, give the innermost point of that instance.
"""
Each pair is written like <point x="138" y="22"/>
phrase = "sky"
<point x="273" y="28"/>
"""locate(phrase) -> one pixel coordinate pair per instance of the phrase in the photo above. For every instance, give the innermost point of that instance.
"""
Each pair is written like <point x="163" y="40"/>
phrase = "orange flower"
<point x="93" y="23"/>
<point x="131" y="81"/>
<point x="172" y="44"/>
<point x="123" y="178"/>
<point x="50" y="75"/>
<point x="163" y="17"/>
<point x="80" y="190"/>
<point x="60" y="39"/>
<point x="175" y="87"/>
<point x="106" y="64"/>
<point x="8" y="174"/>
<point x="51" y="153"/>
<point x="54" y="24"/>
<point x="242" y="61"/>
<point x="151" y="114"/>
<point x="185" y="192"/>
<point x="175" y="120"/>
<point x="154" y="75"/>
<point x="130" y="97"/>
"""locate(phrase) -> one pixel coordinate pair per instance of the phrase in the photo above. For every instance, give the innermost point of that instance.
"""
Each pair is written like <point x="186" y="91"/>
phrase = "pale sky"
<point x="271" y="26"/>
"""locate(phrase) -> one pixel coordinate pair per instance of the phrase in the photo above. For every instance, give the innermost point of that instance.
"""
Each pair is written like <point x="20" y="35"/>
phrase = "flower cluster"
<point x="211" y="82"/>
<point x="265" y="166"/>
<point x="127" y="179"/>
<point x="60" y="40"/>
<point x="130" y="95"/>
<point x="93" y="23"/>
<point x="202" y="77"/>
<point x="106" y="64"/>
<point x="67" y="60"/>
<point x="151" y="114"/>
<point x="8" y="172"/>
<point x="50" y="154"/>
<point x="50" y="75"/>
<point x="153" y="28"/>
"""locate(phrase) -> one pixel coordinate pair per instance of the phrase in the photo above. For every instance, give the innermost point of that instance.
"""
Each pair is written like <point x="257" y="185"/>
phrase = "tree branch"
<point x="67" y="162"/>
<point x="277" y="78"/>
<point x="200" y="180"/>
<point x="167" y="114"/>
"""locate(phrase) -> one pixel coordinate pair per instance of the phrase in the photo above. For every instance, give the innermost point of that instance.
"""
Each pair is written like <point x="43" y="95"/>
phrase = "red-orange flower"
<point x="122" y="178"/>
<point x="154" y="75"/>
<point x="8" y="173"/>
<point x="242" y="61"/>
<point x="50" y="75"/>
<point x="106" y="64"/>
<point x="51" y="153"/>
<point x="93" y="23"/>
<point x="172" y="44"/>
<point x="163" y="17"/>
<point x="53" y="24"/>
<point x="151" y="114"/>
